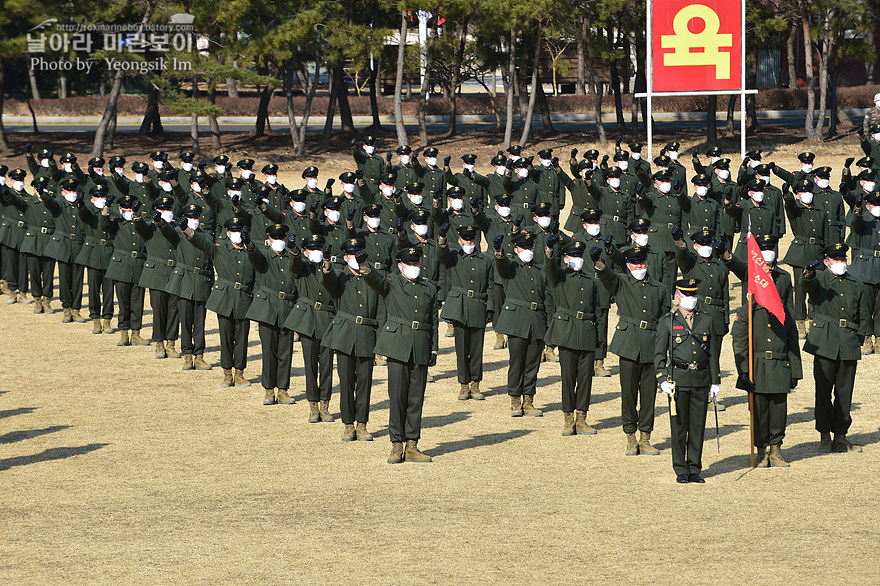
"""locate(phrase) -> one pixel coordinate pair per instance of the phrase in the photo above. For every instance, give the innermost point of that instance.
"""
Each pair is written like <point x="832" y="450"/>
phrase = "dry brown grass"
<point x="119" y="468"/>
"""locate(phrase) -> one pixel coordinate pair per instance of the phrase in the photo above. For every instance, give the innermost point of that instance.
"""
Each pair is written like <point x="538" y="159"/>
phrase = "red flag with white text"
<point x="761" y="283"/>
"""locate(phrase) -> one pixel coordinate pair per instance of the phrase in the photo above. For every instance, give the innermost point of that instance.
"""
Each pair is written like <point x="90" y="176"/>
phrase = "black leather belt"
<point x="690" y="366"/>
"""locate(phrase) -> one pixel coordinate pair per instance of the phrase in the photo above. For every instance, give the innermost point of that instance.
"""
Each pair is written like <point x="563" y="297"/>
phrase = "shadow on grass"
<point x="17" y="436"/>
<point x="49" y="455"/>
<point x="486" y="439"/>
<point x="18" y="411"/>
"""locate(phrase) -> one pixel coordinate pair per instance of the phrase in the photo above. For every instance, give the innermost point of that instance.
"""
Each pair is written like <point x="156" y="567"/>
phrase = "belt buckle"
<point x="708" y="301"/>
<point x="415" y="325"/>
<point x="359" y="319"/>
<point x="615" y="218"/>
<point x="333" y="258"/>
<point x="533" y="306"/>
<point x="72" y="236"/>
<point x="236" y="285"/>
<point x="318" y="305"/>
<point x="170" y="262"/>
<point x="842" y="323"/>
<point x="643" y="325"/>
<point x="197" y="271"/>
<point x="877" y="253"/>
<point x="470" y="292"/>
<point x="377" y="265"/>
<point x="134" y="254"/>
<point x="20" y="224"/>
<point x="44" y="230"/>
<point x="669" y="226"/>
<point x="103" y="242"/>
<point x="282" y="295"/>
<point x="811" y="240"/>
<point x="692" y="366"/>
<point x="768" y="355"/>
<point x="579" y="315"/>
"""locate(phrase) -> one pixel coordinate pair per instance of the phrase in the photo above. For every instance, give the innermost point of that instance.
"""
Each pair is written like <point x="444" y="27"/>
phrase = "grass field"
<point x="119" y="468"/>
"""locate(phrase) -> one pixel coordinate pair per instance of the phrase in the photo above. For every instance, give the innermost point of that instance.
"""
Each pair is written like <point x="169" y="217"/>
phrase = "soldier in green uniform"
<point x="186" y="168"/>
<point x="140" y="187"/>
<point x="95" y="256"/>
<point x="16" y="225"/>
<point x="352" y="336"/>
<point x="46" y="166"/>
<point x="639" y="235"/>
<point x="676" y="169"/>
<point x="769" y="251"/>
<point x="500" y="224"/>
<point x="865" y="237"/>
<point x="753" y="215"/>
<point x="523" y="189"/>
<point x="705" y="213"/>
<point x="840" y="323"/>
<point x="65" y="245"/>
<point x="465" y="180"/>
<point x="279" y="195"/>
<point x="313" y="192"/>
<point x="380" y="245"/>
<point x="809" y="227"/>
<point x="723" y="188"/>
<point x="352" y="200"/>
<point x="772" y="196"/>
<point x="372" y="164"/>
<point x="190" y="283"/>
<point x="616" y="205"/>
<point x="687" y="372"/>
<point x="469" y="304"/>
<point x="157" y="274"/>
<point x="572" y="329"/>
<point x="641" y="301"/>
<point x="639" y="166"/>
<point x="310" y="317"/>
<point x="333" y="229"/>
<point x="126" y="266"/>
<point x="528" y="301"/>
<point x="495" y="183"/>
<point x="272" y="302"/>
<point x="39" y="210"/>
<point x="666" y="205"/>
<point x="579" y="191"/>
<point x="806" y="161"/>
<point x="431" y="174"/>
<point x="230" y="297"/>
<point x="409" y="341"/>
<point x="776" y="370"/>
<point x="832" y="202"/>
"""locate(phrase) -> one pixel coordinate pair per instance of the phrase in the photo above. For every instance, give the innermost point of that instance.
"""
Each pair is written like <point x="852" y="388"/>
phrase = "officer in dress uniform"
<point x="687" y="371"/>
<point x="64" y="247"/>
<point x="373" y="165"/>
<point x="865" y="238"/>
<point x="409" y="341"/>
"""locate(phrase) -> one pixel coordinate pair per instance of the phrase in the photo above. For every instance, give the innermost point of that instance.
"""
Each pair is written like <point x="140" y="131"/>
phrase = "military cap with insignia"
<point x="159" y="156"/>
<point x="163" y="203"/>
<point x="701" y="179"/>
<point x="193" y="210"/>
<point x="639" y="225"/>
<point x="431" y="152"/>
<point x="515" y="150"/>
<point x="246" y="164"/>
<point x="333" y="203"/>
<point x="115" y="162"/>
<point x="277" y="232"/>
<point x="374" y="210"/>
<point x="803" y="186"/>
<point x="867" y="175"/>
<point x="503" y="199"/>
<point x="722" y="164"/>
<point x="420" y="217"/>
<point x="369" y="140"/>
<point x="766" y="241"/>
<point x="524" y="240"/>
<point x="837" y="250"/>
<point x="96" y="162"/>
<point x="672" y="146"/>
<point x="584" y="164"/>
<point x="662" y="161"/>
<point x="574" y="248"/>
<point x="169" y="175"/>
<point x="455" y="192"/>
<point x="126" y="201"/>
<point x="521" y="164"/>
<point x="403" y="149"/>
<point x="187" y="156"/>
<point x="41" y="183"/>
<point x="713" y="152"/>
<point x="348" y="177"/>
<point x="410" y="255"/>
<point x="614" y="172"/>
<point x="101" y="182"/>
<point x="100" y="189"/>
<point x="663" y="175"/>
<point x="199" y="177"/>
<point x="763" y="170"/>
<point x="234" y="224"/>
<point x="621" y="156"/>
<point x="310" y="171"/>
<point x="313" y="241"/>
<point x="353" y="245"/>
<point x="68" y="158"/>
<point x="69" y="184"/>
<point x="469" y="159"/>
<point x="269" y="169"/>
<point x="637" y="253"/>
<point x="823" y="172"/>
<point x="415" y="187"/>
<point x="3" y="170"/>
<point x="635" y="147"/>
<point x="704" y="236"/>
<point x="542" y="209"/>
<point x="756" y="185"/>
<point x="754" y="154"/>
<point x="873" y="198"/>
<point x="298" y="195"/>
<point x="545" y="154"/>
<point x="387" y="179"/>
<point x="591" y="154"/>
<point x="18" y="174"/>
<point x="467" y="232"/>
<point x="44" y="154"/>
<point x="687" y="285"/>
<point x="591" y="215"/>
<point x="498" y="160"/>
<point x="139" y="167"/>
<point x="806" y="157"/>
<point x="264" y="190"/>
<point x="221" y="160"/>
<point x="236" y="183"/>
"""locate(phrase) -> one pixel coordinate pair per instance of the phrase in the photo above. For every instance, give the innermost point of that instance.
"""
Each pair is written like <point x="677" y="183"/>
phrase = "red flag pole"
<point x="751" y="394"/>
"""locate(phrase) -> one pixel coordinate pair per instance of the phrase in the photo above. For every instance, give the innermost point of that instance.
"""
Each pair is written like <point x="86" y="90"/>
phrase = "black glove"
<point x="136" y="205"/>
<point x="609" y="241"/>
<point x="496" y="242"/>
<point x="728" y="193"/>
<point x="676" y="186"/>
<point x="640" y="189"/>
<point x="812" y="266"/>
<point x="552" y="240"/>
<point x="110" y="199"/>
<point x="490" y="317"/>
<point x="604" y="162"/>
<point x="156" y="216"/>
<point x="359" y="173"/>
<point x="720" y="247"/>
<point x="330" y="183"/>
<point x="530" y="159"/>
<point x="555" y="161"/>
<point x="785" y="188"/>
<point x="350" y="214"/>
<point x="696" y="155"/>
<point x="663" y="152"/>
<point x="388" y="157"/>
<point x="326" y="250"/>
<point x="354" y="141"/>
<point x="446" y="161"/>
<point x="259" y="200"/>
<point x="475" y="202"/>
<point x="500" y="153"/>
<point x="574" y="153"/>
<point x="28" y="147"/>
<point x="443" y="230"/>
<point x="595" y="253"/>
<point x="849" y="162"/>
<point x="676" y="232"/>
<point x="398" y="224"/>
<point x="468" y="173"/>
<point x="182" y="222"/>
<point x="432" y="361"/>
<point x="617" y="142"/>
<point x="794" y="383"/>
<point x="313" y="209"/>
<point x="361" y="257"/>
<point x="771" y="165"/>
<point x="245" y="237"/>
<point x="858" y="202"/>
<point x="553" y="228"/>
<point x="518" y="220"/>
<point x="744" y="383"/>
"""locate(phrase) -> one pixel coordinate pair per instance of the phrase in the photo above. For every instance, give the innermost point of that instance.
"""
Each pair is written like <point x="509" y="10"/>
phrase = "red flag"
<point x="761" y="283"/>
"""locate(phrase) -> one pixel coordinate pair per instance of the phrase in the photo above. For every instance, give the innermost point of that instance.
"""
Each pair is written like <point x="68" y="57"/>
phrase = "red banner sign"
<point x="696" y="45"/>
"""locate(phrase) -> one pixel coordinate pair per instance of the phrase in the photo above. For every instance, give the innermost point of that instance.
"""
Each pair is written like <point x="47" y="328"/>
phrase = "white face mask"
<point x="636" y="156"/>
<point x="68" y="168"/>
<point x="416" y="199"/>
<point x="369" y="149"/>
<point x="546" y="163"/>
<point x="234" y="193"/>
<point x="387" y="191"/>
<point x="823" y="183"/>
<point x="167" y="215"/>
<point x="315" y="256"/>
<point x="410" y="272"/>
<point x="753" y="163"/>
<point x="278" y="245"/>
<point x="876" y="136"/>
<point x="2" y="180"/>
<point x="351" y="262"/>
<point x="723" y="174"/>
<point x="18" y="185"/>
<point x="469" y="168"/>
<point x="348" y="187"/>
<point x="701" y="190"/>
<point x="196" y="187"/>
<point x="404" y="159"/>
<point x="166" y="187"/>
<point x="869" y="186"/>
<point x="638" y="274"/>
<point x="515" y="158"/>
<point x="522" y="173"/>
<point x="806" y="167"/>
<point x="373" y="222"/>
<point x="235" y="237"/>
<point x="503" y="211"/>
<point x="838" y="268"/>
<point x="704" y="251"/>
<point x="664" y="187"/>
<point x="456" y="203"/>
<point x="875" y="211"/>
<point x="187" y="167"/>
<point x="299" y="206"/>
<point x="688" y="302"/>
<point x="593" y="229"/>
<point x="468" y="248"/>
<point x="806" y="197"/>
<point x="312" y="183"/>
<point x="127" y="216"/>
<point x="221" y="169"/>
<point x="543" y="221"/>
<point x="763" y="178"/>
<point x="420" y="229"/>
<point x="98" y="171"/>
<point x="500" y="170"/>
<point x="271" y="179"/>
<point x="100" y="203"/>
<point x="757" y="196"/>
<point x="623" y="165"/>
<point x="431" y="161"/>
<point x="246" y="173"/>
<point x="672" y="155"/>
<point x="640" y="239"/>
<point x="70" y="196"/>
<point x="614" y="182"/>
<point x="334" y="215"/>
<point x="139" y="177"/>
<point x="769" y="256"/>
<point x="120" y="171"/>
<point x="158" y="164"/>
<point x="192" y="223"/>
<point x="526" y="255"/>
<point x="44" y="163"/>
<point x="576" y="263"/>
